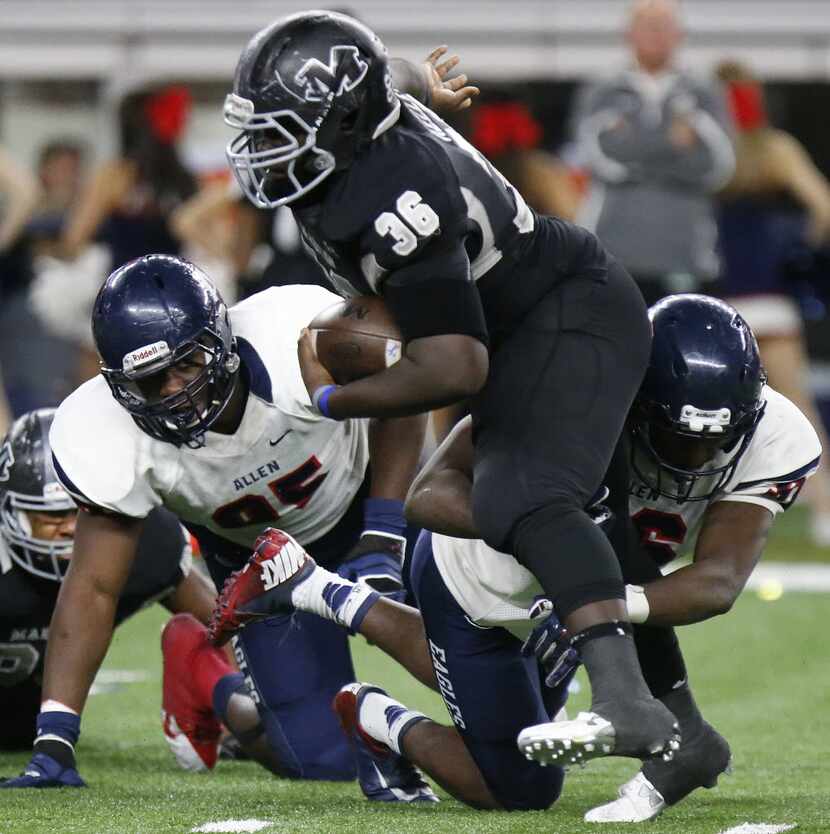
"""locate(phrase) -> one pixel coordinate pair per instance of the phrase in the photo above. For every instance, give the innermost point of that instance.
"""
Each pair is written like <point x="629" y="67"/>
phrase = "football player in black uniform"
<point x="525" y="315"/>
<point x="37" y="528"/>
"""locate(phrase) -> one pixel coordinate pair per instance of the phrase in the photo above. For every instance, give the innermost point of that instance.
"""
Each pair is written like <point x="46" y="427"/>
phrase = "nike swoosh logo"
<point x="274" y="442"/>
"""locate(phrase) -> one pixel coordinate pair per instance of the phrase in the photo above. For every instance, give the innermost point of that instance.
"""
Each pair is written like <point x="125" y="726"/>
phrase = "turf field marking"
<point x="812" y="577"/>
<point x="110" y="680"/>
<point x="232" y="826"/>
<point x="791" y="576"/>
<point x="757" y="828"/>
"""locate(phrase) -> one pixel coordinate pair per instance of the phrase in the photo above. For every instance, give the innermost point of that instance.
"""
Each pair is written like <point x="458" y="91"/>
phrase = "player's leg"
<point x="296" y="582"/>
<point x="704" y="753"/>
<point x="546" y="427"/>
<point x="295" y="666"/>
<point x="490" y="692"/>
<point x="201" y="688"/>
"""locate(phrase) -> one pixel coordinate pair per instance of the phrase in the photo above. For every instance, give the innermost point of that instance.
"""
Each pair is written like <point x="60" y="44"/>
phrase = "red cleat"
<point x="190" y="725"/>
<point x="263" y="588"/>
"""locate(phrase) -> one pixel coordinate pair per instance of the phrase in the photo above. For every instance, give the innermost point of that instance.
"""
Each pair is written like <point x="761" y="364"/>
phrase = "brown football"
<point x="356" y="337"/>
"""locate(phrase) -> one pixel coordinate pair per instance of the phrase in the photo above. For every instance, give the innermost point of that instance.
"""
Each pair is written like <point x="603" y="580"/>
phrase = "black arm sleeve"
<point x="409" y="78"/>
<point x="435" y="296"/>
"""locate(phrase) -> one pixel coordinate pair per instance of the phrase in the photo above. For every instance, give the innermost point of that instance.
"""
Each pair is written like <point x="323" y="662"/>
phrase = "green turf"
<point x="788" y="542"/>
<point x="761" y="675"/>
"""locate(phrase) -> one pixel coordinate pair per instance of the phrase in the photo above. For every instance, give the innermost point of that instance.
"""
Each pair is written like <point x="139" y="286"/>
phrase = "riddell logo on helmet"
<point x="345" y="66"/>
<point x="145" y="355"/>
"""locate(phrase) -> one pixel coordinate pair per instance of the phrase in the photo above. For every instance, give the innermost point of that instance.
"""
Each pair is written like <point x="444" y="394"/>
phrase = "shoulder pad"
<point x="95" y="447"/>
<point x="783" y="453"/>
<point x="270" y="322"/>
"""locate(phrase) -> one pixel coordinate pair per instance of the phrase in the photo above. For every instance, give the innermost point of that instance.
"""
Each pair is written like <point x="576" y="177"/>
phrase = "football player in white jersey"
<point x="203" y="410"/>
<point x="715" y="451"/>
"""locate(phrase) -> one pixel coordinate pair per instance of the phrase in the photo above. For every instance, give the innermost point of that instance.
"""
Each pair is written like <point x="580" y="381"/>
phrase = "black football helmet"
<point x="704" y="381"/>
<point x="149" y="315"/>
<point x="28" y="483"/>
<point x="310" y="91"/>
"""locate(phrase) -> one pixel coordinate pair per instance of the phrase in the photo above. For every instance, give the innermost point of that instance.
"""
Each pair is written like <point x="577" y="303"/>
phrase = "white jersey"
<point x="495" y="590"/>
<point x="285" y="466"/>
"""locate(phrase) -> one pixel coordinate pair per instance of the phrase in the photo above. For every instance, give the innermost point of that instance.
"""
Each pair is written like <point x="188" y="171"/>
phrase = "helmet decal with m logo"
<point x="345" y="69"/>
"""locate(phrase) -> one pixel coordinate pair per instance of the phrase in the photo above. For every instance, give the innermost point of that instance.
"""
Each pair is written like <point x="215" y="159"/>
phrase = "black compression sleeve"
<point x="437" y="307"/>
<point x="409" y="78"/>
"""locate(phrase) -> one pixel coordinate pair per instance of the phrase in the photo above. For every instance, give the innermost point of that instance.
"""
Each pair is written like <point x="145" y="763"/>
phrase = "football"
<point x="355" y="338"/>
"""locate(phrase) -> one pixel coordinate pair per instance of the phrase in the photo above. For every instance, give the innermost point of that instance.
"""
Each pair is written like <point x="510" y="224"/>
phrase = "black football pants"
<point x="546" y="425"/>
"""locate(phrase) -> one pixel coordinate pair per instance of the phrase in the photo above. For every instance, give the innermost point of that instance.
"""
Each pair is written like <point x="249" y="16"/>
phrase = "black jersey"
<point x="27" y="602"/>
<point x="423" y="219"/>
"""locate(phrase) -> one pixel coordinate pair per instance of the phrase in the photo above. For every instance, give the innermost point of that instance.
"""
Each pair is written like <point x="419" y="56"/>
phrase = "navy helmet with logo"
<point x="704" y="381"/>
<point x="28" y="484"/>
<point x="149" y="315"/>
<point x="310" y="91"/>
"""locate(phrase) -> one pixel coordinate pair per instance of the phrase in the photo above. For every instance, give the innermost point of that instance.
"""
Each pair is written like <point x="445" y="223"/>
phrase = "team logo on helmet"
<point x="6" y="460"/>
<point x="344" y="71"/>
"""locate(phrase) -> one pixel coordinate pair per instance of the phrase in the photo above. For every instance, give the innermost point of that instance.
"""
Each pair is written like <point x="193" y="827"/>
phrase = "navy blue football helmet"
<point x="310" y="91"/>
<point x="704" y="381"/>
<point x="28" y="484"/>
<point x="149" y="315"/>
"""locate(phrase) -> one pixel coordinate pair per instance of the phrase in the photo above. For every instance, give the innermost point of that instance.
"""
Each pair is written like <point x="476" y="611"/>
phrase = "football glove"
<point x="53" y="759"/>
<point x="43" y="771"/>
<point x="550" y="643"/>
<point x="377" y="558"/>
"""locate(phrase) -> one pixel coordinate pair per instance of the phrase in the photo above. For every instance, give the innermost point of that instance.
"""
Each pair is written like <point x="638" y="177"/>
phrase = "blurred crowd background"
<point x="692" y="137"/>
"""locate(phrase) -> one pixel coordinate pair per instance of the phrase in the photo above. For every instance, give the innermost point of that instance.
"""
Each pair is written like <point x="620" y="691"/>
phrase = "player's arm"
<point x="428" y="82"/>
<point x="394" y="449"/>
<point x="193" y="595"/>
<point x="79" y="635"/>
<point x="440" y="498"/>
<point x="445" y="359"/>
<point x="728" y="547"/>
<point x="84" y="616"/>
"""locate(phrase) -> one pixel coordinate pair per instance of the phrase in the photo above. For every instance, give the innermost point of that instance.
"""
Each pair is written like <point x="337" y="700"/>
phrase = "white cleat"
<point x="639" y="801"/>
<point x="586" y="737"/>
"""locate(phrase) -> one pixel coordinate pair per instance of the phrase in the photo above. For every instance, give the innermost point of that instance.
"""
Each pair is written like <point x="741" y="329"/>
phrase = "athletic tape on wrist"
<point x="637" y="603"/>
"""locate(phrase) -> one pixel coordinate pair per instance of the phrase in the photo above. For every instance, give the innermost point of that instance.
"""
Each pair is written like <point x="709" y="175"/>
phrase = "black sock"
<point x="682" y="703"/>
<point x="613" y="669"/>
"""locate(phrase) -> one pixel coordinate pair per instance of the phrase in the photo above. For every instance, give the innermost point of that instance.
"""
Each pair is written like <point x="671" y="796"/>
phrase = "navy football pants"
<point x="490" y="690"/>
<point x="294" y="666"/>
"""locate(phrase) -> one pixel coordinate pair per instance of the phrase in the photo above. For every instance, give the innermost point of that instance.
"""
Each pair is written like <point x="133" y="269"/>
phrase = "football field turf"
<point x="761" y="675"/>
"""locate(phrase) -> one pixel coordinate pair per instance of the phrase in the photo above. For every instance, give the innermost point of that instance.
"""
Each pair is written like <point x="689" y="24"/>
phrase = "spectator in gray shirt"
<point x="656" y="142"/>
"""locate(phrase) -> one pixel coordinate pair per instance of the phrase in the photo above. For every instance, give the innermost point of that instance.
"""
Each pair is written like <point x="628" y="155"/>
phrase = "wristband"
<point x="320" y="400"/>
<point x="58" y="726"/>
<point x="614" y="628"/>
<point x="384" y="516"/>
<point x="637" y="603"/>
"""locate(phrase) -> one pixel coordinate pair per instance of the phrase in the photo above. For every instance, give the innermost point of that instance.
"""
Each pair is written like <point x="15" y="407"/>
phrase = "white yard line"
<point x="757" y="828"/>
<point x="232" y="827"/>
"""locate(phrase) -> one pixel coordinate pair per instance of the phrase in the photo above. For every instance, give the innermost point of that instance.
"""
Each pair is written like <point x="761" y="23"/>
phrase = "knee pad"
<point x="569" y="555"/>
